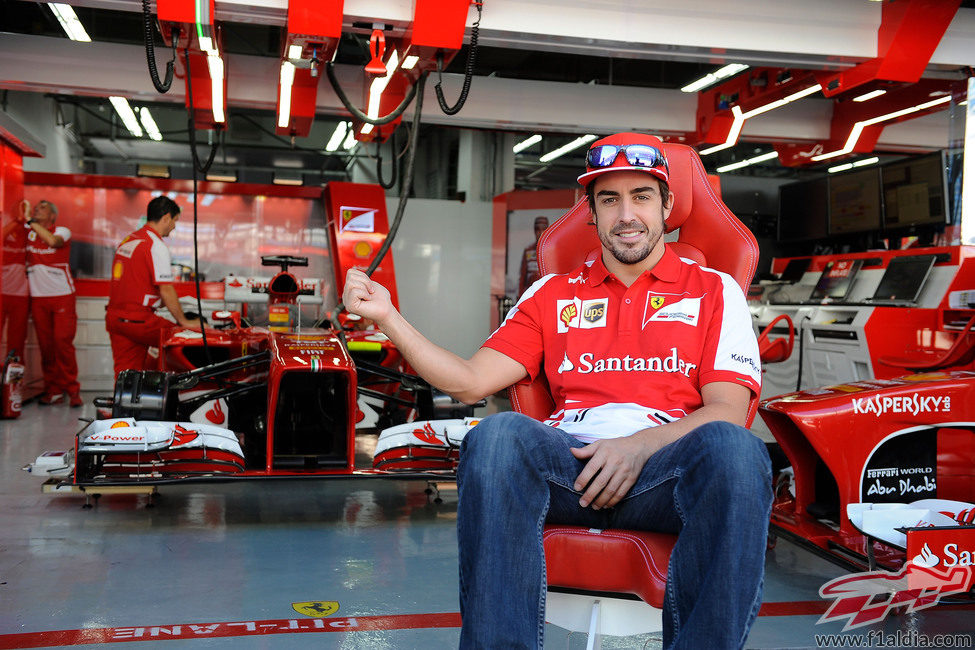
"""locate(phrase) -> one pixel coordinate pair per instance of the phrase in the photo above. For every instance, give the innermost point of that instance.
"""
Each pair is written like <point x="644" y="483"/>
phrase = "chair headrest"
<point x="714" y="237"/>
<point x="682" y="160"/>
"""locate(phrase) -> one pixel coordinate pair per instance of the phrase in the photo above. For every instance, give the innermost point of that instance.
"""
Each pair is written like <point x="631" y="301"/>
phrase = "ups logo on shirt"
<point x="593" y="313"/>
<point x="581" y="314"/>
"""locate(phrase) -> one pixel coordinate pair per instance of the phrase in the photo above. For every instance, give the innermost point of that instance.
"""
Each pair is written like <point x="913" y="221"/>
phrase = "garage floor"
<point x="224" y="565"/>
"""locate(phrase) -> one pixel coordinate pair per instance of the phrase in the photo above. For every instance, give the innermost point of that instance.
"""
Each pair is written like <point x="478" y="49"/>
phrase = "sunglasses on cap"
<point x="637" y="155"/>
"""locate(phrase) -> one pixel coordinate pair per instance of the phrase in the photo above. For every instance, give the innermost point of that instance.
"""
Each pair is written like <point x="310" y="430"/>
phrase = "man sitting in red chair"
<point x="652" y="362"/>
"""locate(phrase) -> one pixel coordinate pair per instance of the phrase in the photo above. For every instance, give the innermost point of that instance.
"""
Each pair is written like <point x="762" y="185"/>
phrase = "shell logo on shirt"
<point x="567" y="315"/>
<point x="117" y="271"/>
<point x="581" y="314"/>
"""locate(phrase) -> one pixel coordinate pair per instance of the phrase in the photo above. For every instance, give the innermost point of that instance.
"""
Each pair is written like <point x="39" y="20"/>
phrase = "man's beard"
<point x="631" y="255"/>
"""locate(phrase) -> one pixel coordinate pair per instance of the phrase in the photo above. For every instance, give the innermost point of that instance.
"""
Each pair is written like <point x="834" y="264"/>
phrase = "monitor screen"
<point x="803" y="210"/>
<point x="914" y="191"/>
<point x="836" y="280"/>
<point x="904" y="278"/>
<point x="795" y="269"/>
<point x="855" y="202"/>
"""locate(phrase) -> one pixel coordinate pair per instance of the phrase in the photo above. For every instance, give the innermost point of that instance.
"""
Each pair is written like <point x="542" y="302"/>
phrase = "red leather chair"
<point x="708" y="233"/>
<point x="776" y="350"/>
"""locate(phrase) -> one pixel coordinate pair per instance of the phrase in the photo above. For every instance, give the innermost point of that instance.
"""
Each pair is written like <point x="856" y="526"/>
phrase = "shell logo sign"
<point x="362" y="249"/>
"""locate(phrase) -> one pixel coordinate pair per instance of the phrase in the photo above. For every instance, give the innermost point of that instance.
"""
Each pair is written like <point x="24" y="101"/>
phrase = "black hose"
<point x="407" y="180"/>
<point x="161" y="86"/>
<point x="359" y="115"/>
<point x="196" y="274"/>
<point x="468" y="70"/>
<point x="203" y="169"/>
<point x="196" y="168"/>
<point x="405" y="189"/>
<point x="379" y="163"/>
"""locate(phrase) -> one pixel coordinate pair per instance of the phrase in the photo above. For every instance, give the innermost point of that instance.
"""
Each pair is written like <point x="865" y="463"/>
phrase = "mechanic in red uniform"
<point x="142" y="279"/>
<point x="52" y="303"/>
<point x="13" y="283"/>
<point x="652" y="362"/>
<point x="529" y="259"/>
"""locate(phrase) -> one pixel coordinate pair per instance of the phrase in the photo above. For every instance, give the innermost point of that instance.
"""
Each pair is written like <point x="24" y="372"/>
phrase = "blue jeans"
<point x="713" y="486"/>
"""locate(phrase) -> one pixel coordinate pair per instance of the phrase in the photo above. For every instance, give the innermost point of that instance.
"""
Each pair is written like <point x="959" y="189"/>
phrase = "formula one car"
<point x="241" y="401"/>
<point x="880" y="471"/>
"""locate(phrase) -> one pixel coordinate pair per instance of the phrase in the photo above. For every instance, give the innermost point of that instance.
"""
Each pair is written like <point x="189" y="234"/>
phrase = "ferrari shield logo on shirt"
<point x="581" y="314"/>
<point x="686" y="310"/>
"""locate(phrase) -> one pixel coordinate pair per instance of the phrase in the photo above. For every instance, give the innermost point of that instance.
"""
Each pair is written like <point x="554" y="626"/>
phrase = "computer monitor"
<point x="836" y="281"/>
<point x="855" y="204"/>
<point x="795" y="269"/>
<point x="803" y="210"/>
<point x="903" y="279"/>
<point x="914" y="192"/>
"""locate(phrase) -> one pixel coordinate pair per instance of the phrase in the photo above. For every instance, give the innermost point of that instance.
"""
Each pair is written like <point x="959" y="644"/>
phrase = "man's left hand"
<point x="614" y="466"/>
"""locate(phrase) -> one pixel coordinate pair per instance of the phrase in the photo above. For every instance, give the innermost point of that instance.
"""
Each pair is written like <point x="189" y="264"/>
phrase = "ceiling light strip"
<point x="338" y="135"/>
<point x="741" y="116"/>
<point x="215" y="66"/>
<point x="69" y="22"/>
<point x="376" y="90"/>
<point x="873" y="94"/>
<point x="285" y="82"/>
<point x="566" y="148"/>
<point x="745" y="163"/>
<point x="527" y="142"/>
<point x="714" y="77"/>
<point x="125" y="112"/>
<point x="149" y="124"/>
<point x="857" y="129"/>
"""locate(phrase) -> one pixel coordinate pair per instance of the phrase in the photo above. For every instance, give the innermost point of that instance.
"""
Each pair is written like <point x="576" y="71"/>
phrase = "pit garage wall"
<point x="443" y="270"/>
<point x="442" y="254"/>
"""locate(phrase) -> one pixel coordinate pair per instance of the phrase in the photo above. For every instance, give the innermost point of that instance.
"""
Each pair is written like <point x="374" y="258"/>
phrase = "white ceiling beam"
<point x="824" y="33"/>
<point x="58" y="65"/>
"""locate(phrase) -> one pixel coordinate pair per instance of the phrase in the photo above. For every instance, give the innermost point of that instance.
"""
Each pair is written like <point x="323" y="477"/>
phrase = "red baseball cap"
<point x="626" y="151"/>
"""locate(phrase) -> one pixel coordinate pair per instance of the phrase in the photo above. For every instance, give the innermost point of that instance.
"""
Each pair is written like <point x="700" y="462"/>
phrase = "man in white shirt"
<point x="53" y="303"/>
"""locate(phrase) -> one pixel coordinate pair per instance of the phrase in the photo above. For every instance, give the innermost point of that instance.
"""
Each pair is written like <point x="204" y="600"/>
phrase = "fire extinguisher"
<point x="13" y="379"/>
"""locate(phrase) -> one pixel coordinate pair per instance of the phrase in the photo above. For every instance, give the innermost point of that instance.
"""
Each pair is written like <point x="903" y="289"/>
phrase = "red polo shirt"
<point x="142" y="262"/>
<point x="621" y="359"/>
